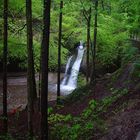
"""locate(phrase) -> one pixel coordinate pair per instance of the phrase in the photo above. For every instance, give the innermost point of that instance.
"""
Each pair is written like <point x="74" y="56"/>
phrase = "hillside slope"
<point x="115" y="101"/>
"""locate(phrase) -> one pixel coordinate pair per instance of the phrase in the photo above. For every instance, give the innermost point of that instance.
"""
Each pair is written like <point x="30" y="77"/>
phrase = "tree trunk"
<point x="102" y="2"/>
<point x="44" y="70"/>
<point x="59" y="52"/>
<point x="109" y="8"/>
<point x="5" y="44"/>
<point x="31" y="85"/>
<point x="88" y="44"/>
<point x="93" y="74"/>
<point x="39" y="90"/>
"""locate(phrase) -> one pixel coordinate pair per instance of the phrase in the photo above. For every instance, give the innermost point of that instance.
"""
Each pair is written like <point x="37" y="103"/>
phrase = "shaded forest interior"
<point x="69" y="70"/>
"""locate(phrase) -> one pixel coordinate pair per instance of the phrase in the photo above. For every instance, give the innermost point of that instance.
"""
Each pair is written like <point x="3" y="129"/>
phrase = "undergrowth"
<point x="90" y="121"/>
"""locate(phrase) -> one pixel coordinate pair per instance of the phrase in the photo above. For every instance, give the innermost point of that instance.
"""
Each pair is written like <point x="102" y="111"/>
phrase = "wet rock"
<point x="138" y="136"/>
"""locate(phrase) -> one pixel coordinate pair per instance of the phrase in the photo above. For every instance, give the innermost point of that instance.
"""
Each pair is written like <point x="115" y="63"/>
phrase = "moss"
<point x="81" y="80"/>
<point x="78" y="94"/>
<point x="128" y="74"/>
<point x="136" y="71"/>
<point x="116" y="75"/>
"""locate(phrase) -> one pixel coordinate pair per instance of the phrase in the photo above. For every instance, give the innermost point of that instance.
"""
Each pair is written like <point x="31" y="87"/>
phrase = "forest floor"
<point x="122" y="116"/>
<point x="122" y="119"/>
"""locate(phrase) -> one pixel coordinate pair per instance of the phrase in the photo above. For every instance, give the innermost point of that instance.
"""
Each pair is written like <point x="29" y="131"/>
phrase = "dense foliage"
<point x="118" y="25"/>
<point x="117" y="22"/>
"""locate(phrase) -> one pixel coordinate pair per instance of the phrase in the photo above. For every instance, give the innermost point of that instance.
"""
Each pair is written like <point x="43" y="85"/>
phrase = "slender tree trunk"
<point x="93" y="75"/>
<point x="30" y="46"/>
<point x="102" y="2"/>
<point x="39" y="90"/>
<point x="44" y="70"/>
<point x="110" y="8"/>
<point x="59" y="52"/>
<point x="5" y="44"/>
<point x="88" y="44"/>
<point x="31" y="86"/>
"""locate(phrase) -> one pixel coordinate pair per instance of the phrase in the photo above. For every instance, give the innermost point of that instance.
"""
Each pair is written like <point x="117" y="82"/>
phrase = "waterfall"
<point x="66" y="76"/>
<point x="69" y="82"/>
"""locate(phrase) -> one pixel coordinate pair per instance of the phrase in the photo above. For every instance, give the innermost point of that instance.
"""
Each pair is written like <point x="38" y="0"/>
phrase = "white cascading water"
<point x="66" y="76"/>
<point x="69" y="83"/>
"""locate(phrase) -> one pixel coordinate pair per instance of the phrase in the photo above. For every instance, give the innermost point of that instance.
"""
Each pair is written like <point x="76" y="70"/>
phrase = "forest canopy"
<point x="117" y="22"/>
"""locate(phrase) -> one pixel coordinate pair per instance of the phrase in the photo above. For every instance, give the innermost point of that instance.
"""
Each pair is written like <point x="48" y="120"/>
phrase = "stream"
<point x="17" y="90"/>
<point x="17" y="82"/>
